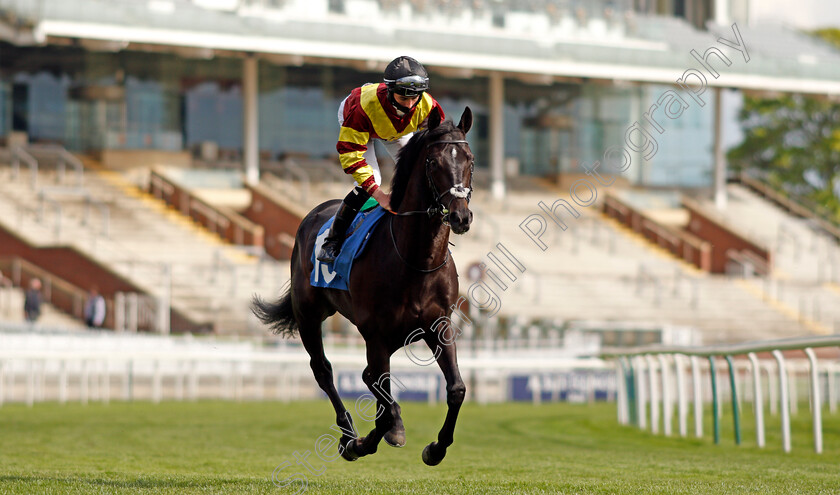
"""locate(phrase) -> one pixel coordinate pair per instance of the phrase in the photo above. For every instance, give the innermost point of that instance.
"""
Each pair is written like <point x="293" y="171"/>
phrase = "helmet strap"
<point x="396" y="105"/>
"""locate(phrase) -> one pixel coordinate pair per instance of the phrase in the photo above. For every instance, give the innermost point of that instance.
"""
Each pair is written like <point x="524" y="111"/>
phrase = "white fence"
<point x="102" y="366"/>
<point x="655" y="379"/>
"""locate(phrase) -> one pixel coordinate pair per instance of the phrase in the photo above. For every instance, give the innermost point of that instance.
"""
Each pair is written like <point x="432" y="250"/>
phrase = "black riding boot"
<point x="332" y="244"/>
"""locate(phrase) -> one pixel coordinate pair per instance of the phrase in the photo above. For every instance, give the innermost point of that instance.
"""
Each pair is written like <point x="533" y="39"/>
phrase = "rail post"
<point x="758" y="399"/>
<point x="682" y="395"/>
<point x="784" y="401"/>
<point x="736" y="418"/>
<point x="641" y="393"/>
<point x="816" y="403"/>
<point x="698" y="397"/>
<point x="667" y="403"/>
<point x="654" y="395"/>
<point x="715" y="404"/>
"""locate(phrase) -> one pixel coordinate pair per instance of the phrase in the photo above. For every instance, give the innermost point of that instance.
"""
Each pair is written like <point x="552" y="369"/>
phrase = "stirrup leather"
<point x="332" y="244"/>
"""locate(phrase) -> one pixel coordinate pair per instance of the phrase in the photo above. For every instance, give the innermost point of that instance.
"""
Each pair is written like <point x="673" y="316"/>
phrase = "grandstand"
<point x="207" y="283"/>
<point x="200" y="131"/>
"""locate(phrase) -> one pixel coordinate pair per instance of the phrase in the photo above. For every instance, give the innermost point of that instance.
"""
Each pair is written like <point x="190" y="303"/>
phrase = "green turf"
<point x="216" y="447"/>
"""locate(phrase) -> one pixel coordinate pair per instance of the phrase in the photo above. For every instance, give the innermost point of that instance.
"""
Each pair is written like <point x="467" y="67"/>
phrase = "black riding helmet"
<point x="405" y="77"/>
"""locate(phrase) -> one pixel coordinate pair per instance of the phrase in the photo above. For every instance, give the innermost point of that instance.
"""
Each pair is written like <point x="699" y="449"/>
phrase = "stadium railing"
<point x="644" y="378"/>
<point x="39" y="364"/>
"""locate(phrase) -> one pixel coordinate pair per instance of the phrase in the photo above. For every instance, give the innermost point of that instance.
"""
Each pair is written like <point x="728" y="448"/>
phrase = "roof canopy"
<point x="546" y="44"/>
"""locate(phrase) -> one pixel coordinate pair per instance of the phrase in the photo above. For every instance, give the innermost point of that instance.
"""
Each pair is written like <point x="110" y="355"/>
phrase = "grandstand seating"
<point x="597" y="270"/>
<point x="806" y="276"/>
<point x="211" y="282"/>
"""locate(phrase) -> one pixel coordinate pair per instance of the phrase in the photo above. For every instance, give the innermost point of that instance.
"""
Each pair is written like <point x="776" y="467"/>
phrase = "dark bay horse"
<point x="404" y="281"/>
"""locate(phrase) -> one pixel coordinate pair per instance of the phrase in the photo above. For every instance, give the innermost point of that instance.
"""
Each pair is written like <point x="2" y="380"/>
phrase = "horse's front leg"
<point x="377" y="377"/>
<point x="455" y="392"/>
<point x="396" y="435"/>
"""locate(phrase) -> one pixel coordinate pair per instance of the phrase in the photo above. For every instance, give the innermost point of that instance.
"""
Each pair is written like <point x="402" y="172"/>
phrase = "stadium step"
<point x="143" y="238"/>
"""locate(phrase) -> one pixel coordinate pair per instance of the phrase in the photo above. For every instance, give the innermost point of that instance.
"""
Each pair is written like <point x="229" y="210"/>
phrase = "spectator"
<point x="32" y="301"/>
<point x="95" y="309"/>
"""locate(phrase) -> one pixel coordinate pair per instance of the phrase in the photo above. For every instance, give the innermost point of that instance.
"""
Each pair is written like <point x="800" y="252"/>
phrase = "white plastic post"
<point x="682" y="395"/>
<point x="127" y="378"/>
<point x="62" y="382"/>
<point x="793" y="391"/>
<point x="621" y="393"/>
<point x="641" y="394"/>
<point x="41" y="383"/>
<point x="179" y="381"/>
<point x="816" y="402"/>
<point x="758" y="400"/>
<point x="784" y="400"/>
<point x="30" y="382"/>
<point x="536" y="390"/>
<point x="105" y="383"/>
<point x="698" y="397"/>
<point x="259" y="382"/>
<point x="654" y="395"/>
<point x="192" y="391"/>
<point x="667" y="401"/>
<point x="772" y="389"/>
<point x="84" y="380"/>
<point x="156" y="382"/>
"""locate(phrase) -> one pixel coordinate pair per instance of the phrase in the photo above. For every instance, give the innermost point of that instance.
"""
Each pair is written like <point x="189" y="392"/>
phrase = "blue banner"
<point x="571" y="386"/>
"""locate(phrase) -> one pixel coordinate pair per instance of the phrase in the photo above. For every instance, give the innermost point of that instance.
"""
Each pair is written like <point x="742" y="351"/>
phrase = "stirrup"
<point x="329" y="252"/>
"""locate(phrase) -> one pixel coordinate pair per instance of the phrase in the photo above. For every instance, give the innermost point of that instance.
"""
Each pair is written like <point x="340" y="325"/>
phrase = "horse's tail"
<point x="279" y="317"/>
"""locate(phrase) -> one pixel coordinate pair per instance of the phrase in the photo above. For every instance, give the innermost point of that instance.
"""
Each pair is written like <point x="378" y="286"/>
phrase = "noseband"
<point x="458" y="191"/>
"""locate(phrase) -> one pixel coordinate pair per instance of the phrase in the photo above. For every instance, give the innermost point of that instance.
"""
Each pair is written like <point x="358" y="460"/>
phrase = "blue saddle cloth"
<point x="336" y="274"/>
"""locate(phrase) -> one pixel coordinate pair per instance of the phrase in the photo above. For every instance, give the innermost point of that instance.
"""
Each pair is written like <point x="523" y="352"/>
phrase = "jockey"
<point x="390" y="111"/>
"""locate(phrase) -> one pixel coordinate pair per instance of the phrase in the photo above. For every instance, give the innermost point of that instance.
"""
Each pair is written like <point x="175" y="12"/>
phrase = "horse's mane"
<point x="407" y="157"/>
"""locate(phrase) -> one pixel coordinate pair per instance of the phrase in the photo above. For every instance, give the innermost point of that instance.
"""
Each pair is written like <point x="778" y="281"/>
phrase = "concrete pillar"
<point x="250" y="121"/>
<point x="497" y="136"/>
<point x="720" y="159"/>
<point x="722" y="12"/>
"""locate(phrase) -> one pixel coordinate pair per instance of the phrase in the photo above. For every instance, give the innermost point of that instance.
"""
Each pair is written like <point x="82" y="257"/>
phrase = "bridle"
<point x="458" y="191"/>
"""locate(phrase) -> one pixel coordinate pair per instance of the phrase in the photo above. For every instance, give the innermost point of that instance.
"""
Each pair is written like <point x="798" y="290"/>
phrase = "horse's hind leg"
<point x="310" y="336"/>
<point x="455" y="392"/>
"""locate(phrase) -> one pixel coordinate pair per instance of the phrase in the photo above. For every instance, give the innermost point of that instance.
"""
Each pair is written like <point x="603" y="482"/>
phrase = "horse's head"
<point x="449" y="168"/>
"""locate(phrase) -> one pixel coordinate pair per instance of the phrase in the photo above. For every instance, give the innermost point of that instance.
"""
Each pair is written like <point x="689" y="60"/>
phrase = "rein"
<point x="437" y="209"/>
<point x="421" y="270"/>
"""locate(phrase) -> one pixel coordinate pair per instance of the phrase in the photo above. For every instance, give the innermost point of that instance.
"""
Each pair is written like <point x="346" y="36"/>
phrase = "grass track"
<point x="220" y="447"/>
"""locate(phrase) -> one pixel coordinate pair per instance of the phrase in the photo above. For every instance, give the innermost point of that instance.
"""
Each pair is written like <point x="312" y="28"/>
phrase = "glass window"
<point x="5" y="109"/>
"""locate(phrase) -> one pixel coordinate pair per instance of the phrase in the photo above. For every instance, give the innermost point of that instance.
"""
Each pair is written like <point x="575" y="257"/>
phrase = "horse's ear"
<point x="434" y="118"/>
<point x="466" y="120"/>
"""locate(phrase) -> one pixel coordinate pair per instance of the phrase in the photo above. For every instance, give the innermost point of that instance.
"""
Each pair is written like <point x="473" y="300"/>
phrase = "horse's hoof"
<point x="349" y="452"/>
<point x="429" y="458"/>
<point x="395" y="437"/>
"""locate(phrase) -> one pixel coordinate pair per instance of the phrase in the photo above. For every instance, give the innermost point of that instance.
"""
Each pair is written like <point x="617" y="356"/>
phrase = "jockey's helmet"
<point x="406" y="77"/>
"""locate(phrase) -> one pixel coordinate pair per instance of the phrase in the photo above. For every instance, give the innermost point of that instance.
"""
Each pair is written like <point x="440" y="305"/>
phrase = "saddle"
<point x="336" y="274"/>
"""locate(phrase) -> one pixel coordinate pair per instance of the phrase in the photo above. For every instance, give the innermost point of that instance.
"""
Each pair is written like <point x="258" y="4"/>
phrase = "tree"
<point x="795" y="139"/>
